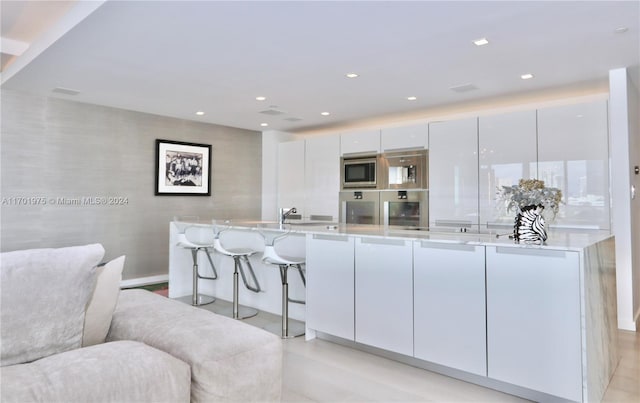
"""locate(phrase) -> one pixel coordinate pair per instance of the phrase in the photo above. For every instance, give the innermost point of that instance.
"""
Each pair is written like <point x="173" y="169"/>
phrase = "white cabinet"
<point x="322" y="177"/>
<point x="330" y="285"/>
<point x="363" y="142"/>
<point x="384" y="294"/>
<point x="533" y="319"/>
<point x="291" y="187"/>
<point x="449" y="305"/>
<point x="573" y="156"/>
<point x="508" y="152"/>
<point x="405" y="137"/>
<point x="453" y="173"/>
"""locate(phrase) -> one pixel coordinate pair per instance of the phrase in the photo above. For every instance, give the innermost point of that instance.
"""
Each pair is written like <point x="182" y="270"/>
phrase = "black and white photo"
<point x="183" y="168"/>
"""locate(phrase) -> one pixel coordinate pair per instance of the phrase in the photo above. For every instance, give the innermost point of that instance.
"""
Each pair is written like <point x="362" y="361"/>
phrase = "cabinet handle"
<point x="340" y="238"/>
<point x="450" y="246"/>
<point x="499" y="225"/>
<point x="380" y="241"/>
<point x="530" y="252"/>
<point x="367" y="153"/>
<point x="315" y="217"/>
<point x="454" y="223"/>
<point x="405" y="149"/>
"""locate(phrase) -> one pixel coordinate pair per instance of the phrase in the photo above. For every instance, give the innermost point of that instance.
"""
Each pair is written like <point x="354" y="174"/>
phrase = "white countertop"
<point x="559" y="239"/>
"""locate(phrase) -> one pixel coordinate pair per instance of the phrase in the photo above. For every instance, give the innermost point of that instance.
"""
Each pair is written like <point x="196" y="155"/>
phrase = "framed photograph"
<point x="183" y="169"/>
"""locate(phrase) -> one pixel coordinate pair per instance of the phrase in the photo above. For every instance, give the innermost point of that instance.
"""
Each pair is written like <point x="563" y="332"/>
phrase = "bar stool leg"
<point x="196" y="298"/>
<point x="236" y="311"/>
<point x="287" y="330"/>
<point x="285" y="301"/>
<point x="236" y="262"/>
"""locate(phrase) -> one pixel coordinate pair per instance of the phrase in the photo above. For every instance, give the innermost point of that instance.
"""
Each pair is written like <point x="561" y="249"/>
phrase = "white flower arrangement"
<point x="531" y="192"/>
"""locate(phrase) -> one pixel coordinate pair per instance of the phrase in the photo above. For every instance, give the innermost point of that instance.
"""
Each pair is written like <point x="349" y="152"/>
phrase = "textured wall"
<point x="54" y="149"/>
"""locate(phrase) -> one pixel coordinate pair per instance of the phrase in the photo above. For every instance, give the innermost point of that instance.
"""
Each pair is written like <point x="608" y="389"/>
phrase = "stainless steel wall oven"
<point x="405" y="170"/>
<point x="406" y="208"/>
<point x="360" y="207"/>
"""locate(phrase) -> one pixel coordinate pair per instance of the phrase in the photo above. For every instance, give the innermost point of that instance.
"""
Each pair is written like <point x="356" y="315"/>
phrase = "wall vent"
<point x="272" y="112"/>
<point x="463" y="88"/>
<point x="66" y="91"/>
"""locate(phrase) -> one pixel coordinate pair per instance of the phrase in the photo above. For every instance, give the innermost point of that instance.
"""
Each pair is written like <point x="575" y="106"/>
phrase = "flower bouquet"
<point x="529" y="198"/>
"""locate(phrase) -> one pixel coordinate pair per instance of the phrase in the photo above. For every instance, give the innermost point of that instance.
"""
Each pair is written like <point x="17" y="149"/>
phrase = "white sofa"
<point x="151" y="349"/>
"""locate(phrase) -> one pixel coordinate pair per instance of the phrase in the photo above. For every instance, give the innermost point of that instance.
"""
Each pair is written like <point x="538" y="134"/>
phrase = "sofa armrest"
<point x="229" y="360"/>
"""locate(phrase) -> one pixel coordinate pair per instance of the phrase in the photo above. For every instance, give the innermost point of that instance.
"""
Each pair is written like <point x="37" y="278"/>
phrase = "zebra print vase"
<point x="529" y="226"/>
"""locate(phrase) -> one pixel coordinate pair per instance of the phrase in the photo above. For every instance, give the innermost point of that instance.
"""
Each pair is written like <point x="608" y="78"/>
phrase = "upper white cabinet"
<point x="330" y="286"/>
<point x="449" y="305"/>
<point x="384" y="294"/>
<point x="322" y="177"/>
<point x="291" y="178"/>
<point x="508" y="152"/>
<point x="360" y="142"/>
<point x="533" y="319"/>
<point x="453" y="173"/>
<point x="399" y="138"/>
<point x="573" y="156"/>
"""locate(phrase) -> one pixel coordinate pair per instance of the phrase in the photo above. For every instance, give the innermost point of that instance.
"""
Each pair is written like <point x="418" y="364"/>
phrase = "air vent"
<point x="66" y="91"/>
<point x="293" y="119"/>
<point x="272" y="112"/>
<point x="463" y="88"/>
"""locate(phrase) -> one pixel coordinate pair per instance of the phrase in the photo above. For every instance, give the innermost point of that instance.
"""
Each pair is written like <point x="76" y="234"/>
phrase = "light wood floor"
<point x="321" y="371"/>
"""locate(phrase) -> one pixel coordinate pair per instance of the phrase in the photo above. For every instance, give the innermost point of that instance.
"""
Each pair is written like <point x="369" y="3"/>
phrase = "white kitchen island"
<point x="535" y="321"/>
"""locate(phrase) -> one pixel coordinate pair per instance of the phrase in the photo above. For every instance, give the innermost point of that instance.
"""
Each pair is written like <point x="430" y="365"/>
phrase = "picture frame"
<point x="182" y="169"/>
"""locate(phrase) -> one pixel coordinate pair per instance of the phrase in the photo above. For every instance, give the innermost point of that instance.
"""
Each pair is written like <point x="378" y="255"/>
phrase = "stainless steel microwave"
<point x="359" y="172"/>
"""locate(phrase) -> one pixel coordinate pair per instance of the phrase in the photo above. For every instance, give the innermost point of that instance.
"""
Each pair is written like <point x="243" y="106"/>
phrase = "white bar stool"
<point x="239" y="256"/>
<point x="196" y="239"/>
<point x="271" y="256"/>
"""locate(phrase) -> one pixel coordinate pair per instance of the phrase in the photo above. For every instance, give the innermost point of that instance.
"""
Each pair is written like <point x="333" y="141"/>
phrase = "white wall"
<point x="634" y="121"/>
<point x="625" y="154"/>
<point x="54" y="148"/>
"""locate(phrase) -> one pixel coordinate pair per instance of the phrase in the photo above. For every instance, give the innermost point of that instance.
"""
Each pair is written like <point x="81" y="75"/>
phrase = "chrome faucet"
<point x="286" y="212"/>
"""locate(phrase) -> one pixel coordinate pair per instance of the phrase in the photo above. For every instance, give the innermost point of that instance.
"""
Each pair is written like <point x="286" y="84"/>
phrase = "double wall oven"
<point x="405" y="208"/>
<point x="387" y="189"/>
<point x="360" y="207"/>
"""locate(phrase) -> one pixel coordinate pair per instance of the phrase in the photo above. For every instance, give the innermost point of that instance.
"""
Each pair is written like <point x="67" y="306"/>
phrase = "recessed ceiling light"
<point x="199" y="113"/>
<point x="325" y="113"/>
<point x="352" y="75"/>
<point x="264" y="124"/>
<point x="526" y="76"/>
<point x="621" y="30"/>
<point x="411" y="98"/>
<point x="481" y="42"/>
<point x="261" y="98"/>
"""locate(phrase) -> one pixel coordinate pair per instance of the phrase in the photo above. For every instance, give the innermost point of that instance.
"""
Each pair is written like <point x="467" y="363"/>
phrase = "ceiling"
<point x="175" y="58"/>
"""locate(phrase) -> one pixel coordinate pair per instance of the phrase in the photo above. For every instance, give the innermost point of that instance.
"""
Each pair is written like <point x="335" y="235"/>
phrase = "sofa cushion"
<point x="123" y="371"/>
<point x="230" y="360"/>
<point x="102" y="303"/>
<point x="44" y="296"/>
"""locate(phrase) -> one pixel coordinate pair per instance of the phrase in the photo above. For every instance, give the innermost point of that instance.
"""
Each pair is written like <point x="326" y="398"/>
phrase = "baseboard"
<point x="137" y="282"/>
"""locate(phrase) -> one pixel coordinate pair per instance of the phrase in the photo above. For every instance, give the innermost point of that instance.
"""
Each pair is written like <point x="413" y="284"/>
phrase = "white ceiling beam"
<point x="77" y="13"/>
<point x="12" y="47"/>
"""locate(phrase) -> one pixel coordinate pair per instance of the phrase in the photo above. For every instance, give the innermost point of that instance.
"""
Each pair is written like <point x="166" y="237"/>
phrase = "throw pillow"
<point x="44" y="296"/>
<point x="102" y="303"/>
